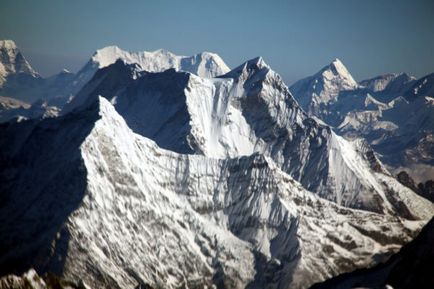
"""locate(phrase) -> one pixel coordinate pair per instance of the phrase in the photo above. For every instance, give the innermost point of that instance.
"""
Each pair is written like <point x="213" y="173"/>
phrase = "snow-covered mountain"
<point x="112" y="208"/>
<point x="245" y="111"/>
<point x="400" y="127"/>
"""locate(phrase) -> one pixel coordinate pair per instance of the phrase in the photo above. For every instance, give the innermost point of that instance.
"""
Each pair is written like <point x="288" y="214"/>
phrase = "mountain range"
<point x="393" y="112"/>
<point x="165" y="171"/>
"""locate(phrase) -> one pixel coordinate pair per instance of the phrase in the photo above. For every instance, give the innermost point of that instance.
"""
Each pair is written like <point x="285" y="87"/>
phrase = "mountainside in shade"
<point x="245" y="111"/>
<point x="410" y="268"/>
<point x="112" y="208"/>
<point x="400" y="127"/>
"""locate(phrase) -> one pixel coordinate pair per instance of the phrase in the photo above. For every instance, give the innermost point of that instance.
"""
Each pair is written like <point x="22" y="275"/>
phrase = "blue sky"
<point x="296" y="38"/>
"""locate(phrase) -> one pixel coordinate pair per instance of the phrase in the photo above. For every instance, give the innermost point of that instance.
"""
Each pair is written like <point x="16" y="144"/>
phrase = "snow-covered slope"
<point x="112" y="208"/>
<point x="400" y="127"/>
<point x="245" y="111"/>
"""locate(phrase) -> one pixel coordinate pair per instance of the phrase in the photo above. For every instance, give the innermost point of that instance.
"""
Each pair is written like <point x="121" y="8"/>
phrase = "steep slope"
<point x="410" y="268"/>
<point x="110" y="207"/>
<point x="245" y="111"/>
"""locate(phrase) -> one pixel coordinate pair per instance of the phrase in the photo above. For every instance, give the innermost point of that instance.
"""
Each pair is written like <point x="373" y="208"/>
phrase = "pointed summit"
<point x="248" y="68"/>
<point x="338" y="74"/>
<point x="315" y="92"/>
<point x="12" y="61"/>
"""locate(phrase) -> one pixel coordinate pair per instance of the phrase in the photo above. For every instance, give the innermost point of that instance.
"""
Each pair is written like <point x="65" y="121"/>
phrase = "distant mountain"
<point x="204" y="64"/>
<point x="20" y="81"/>
<point x="12" y="62"/>
<point x="410" y="268"/>
<point x="86" y="198"/>
<point x="400" y="127"/>
<point x="316" y="93"/>
<point x="388" y="86"/>
<point x="15" y="110"/>
<point x="421" y="88"/>
<point x="17" y="77"/>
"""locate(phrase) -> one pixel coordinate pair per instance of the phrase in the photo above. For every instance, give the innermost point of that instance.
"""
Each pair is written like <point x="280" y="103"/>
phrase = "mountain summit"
<point x="12" y="61"/>
<point x="317" y="91"/>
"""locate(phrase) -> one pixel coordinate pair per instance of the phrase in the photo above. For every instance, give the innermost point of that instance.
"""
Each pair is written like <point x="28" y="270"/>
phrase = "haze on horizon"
<point x="296" y="38"/>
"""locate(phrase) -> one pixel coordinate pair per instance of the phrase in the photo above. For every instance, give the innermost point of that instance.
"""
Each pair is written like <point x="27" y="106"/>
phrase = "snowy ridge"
<point x="138" y="214"/>
<point x="204" y="64"/>
<point x="245" y="111"/>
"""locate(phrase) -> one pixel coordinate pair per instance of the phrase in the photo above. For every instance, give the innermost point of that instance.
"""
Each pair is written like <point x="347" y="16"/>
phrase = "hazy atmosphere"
<point x="311" y="167"/>
<point x="296" y="38"/>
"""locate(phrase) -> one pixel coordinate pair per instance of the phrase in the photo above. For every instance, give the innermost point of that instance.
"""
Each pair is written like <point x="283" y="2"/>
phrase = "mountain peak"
<point x="337" y="74"/>
<point x="107" y="55"/>
<point x="258" y="61"/>
<point x="339" y="69"/>
<point x="7" y="44"/>
<point x="12" y="61"/>
<point x="248" y="68"/>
